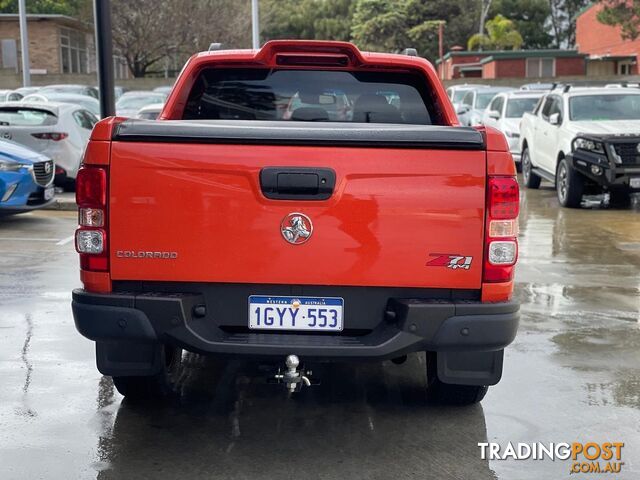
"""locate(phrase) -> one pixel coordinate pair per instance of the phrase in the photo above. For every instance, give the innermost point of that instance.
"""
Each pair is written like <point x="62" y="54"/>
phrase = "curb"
<point x="62" y="205"/>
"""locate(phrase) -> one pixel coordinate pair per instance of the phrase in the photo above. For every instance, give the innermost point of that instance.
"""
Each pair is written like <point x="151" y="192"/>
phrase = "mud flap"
<point x="470" y="368"/>
<point x="128" y="358"/>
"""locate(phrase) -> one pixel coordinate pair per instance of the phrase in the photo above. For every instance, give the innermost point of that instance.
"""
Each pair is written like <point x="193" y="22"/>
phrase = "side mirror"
<point x="462" y="109"/>
<point x="554" y="119"/>
<point x="494" y="114"/>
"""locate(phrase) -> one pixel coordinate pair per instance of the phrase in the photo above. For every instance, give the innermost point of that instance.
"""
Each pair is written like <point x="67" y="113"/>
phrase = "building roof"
<point x="54" y="17"/>
<point x="500" y="54"/>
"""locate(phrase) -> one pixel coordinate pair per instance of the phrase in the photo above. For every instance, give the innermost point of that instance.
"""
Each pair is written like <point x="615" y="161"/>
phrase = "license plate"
<point x="634" y="182"/>
<point x="322" y="314"/>
<point x="48" y="193"/>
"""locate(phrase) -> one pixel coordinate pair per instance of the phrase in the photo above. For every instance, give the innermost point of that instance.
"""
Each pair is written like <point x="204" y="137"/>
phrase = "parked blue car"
<point x="26" y="179"/>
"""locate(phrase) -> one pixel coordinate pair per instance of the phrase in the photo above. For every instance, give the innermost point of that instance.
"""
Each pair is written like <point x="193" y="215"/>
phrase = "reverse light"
<point x="55" y="136"/>
<point x="503" y="206"/>
<point x="90" y="241"/>
<point x="91" y="235"/>
<point x="503" y="253"/>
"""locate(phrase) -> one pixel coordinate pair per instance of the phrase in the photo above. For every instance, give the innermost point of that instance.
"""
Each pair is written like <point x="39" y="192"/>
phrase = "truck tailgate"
<point x="191" y="209"/>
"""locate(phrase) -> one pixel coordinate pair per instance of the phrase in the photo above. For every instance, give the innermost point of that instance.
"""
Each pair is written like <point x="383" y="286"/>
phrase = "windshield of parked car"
<point x="26" y="117"/>
<point x="458" y="95"/>
<point x="135" y="102"/>
<point x="604" y="107"/>
<point x="517" y="107"/>
<point x="311" y="95"/>
<point x="483" y="99"/>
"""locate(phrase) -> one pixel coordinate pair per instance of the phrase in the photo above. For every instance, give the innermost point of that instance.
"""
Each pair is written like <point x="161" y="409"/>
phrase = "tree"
<point x="61" y="7"/>
<point x="146" y="32"/>
<point x="563" y="20"/>
<point x="307" y="19"/>
<point x="392" y="25"/>
<point x="622" y="13"/>
<point x="501" y="34"/>
<point x="529" y="16"/>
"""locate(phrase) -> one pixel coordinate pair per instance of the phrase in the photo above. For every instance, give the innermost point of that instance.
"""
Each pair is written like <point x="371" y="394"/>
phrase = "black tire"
<point x="530" y="179"/>
<point x="519" y="166"/>
<point x="619" y="198"/>
<point x="449" y="393"/>
<point x="569" y="185"/>
<point x="142" y="389"/>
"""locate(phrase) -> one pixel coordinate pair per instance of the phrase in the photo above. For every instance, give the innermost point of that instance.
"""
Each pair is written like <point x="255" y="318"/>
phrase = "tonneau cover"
<point x="300" y="133"/>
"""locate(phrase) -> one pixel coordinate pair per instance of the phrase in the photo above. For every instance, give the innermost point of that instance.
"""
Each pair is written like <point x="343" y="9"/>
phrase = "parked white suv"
<point x="505" y="112"/>
<point x="586" y="141"/>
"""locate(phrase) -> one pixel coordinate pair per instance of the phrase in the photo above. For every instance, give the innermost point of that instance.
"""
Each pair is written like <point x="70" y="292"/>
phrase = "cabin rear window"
<point x="312" y="96"/>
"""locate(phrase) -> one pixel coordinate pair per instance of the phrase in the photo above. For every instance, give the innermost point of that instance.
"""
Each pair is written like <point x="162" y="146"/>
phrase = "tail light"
<point x="91" y="235"/>
<point x="501" y="238"/>
<point x="55" y="136"/>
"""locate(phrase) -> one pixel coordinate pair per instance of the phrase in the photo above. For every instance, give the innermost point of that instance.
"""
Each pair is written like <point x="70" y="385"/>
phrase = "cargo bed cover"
<point x="300" y="133"/>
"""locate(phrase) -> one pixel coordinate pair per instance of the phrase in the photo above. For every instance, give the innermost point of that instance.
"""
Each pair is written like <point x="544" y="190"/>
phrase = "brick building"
<point x="57" y="45"/>
<point x="608" y="53"/>
<point x="534" y="64"/>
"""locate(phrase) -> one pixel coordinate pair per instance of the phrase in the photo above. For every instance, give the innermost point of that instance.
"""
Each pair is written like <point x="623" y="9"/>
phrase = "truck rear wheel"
<point x="152" y="387"/>
<point x="530" y="179"/>
<point x="569" y="185"/>
<point x="448" y="393"/>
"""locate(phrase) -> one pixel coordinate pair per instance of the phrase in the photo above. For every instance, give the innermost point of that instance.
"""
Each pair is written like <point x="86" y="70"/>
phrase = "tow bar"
<point x="292" y="378"/>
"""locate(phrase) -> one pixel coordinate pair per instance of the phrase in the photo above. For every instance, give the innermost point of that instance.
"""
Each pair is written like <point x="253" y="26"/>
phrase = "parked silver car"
<point x="130" y="102"/>
<point x="75" y="89"/>
<point x="85" y="101"/>
<point x="9" y="96"/>
<point x="58" y="130"/>
<point x="456" y="92"/>
<point x="505" y="112"/>
<point x="474" y="102"/>
<point x="150" y="112"/>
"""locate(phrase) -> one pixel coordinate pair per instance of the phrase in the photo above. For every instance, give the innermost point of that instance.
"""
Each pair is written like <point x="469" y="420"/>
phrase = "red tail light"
<point x="55" y="136"/>
<point x="91" y="235"/>
<point x="501" y="232"/>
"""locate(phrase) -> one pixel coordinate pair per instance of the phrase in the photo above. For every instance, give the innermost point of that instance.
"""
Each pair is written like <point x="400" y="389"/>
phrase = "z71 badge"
<point x="449" y="260"/>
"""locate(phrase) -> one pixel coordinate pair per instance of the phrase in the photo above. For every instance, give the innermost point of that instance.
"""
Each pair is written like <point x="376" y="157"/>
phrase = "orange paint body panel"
<point x="98" y="282"/>
<point x="391" y="209"/>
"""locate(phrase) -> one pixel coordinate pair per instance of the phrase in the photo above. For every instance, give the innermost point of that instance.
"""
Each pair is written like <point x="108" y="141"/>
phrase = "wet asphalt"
<point x="573" y="374"/>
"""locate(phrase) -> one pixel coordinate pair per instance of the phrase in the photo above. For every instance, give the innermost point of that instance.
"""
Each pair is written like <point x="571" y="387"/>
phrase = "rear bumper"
<point x="409" y="325"/>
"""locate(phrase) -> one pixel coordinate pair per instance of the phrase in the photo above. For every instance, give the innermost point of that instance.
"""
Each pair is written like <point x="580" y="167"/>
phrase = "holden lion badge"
<point x="296" y="228"/>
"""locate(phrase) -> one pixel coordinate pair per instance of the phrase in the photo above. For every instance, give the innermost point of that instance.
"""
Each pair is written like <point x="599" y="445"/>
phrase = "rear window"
<point x="26" y="117"/>
<point x="312" y="95"/>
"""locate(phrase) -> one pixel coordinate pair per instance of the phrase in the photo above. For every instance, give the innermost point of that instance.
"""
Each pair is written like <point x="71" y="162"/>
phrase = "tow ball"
<point x="292" y="377"/>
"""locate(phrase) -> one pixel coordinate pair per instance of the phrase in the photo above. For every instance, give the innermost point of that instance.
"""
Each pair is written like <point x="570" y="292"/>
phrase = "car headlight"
<point x="511" y="134"/>
<point x="589" y="145"/>
<point x="6" y="166"/>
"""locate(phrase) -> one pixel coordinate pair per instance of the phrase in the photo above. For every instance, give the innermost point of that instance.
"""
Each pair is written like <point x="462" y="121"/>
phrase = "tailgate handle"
<point x="292" y="183"/>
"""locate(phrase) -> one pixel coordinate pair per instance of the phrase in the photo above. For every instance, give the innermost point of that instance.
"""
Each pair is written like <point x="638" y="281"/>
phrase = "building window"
<point x="625" y="67"/>
<point x="73" y="51"/>
<point x="541" y="67"/>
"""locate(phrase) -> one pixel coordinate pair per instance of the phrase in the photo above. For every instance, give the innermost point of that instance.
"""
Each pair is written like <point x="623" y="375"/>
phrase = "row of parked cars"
<point x="43" y="135"/>
<point x="583" y="139"/>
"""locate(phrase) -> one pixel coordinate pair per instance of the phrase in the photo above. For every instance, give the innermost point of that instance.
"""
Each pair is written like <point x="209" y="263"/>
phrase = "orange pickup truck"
<point x="299" y="203"/>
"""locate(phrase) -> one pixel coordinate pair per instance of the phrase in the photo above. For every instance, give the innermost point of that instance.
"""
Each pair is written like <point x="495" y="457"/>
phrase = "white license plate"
<point x="634" y="182"/>
<point x="48" y="193"/>
<point x="323" y="314"/>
